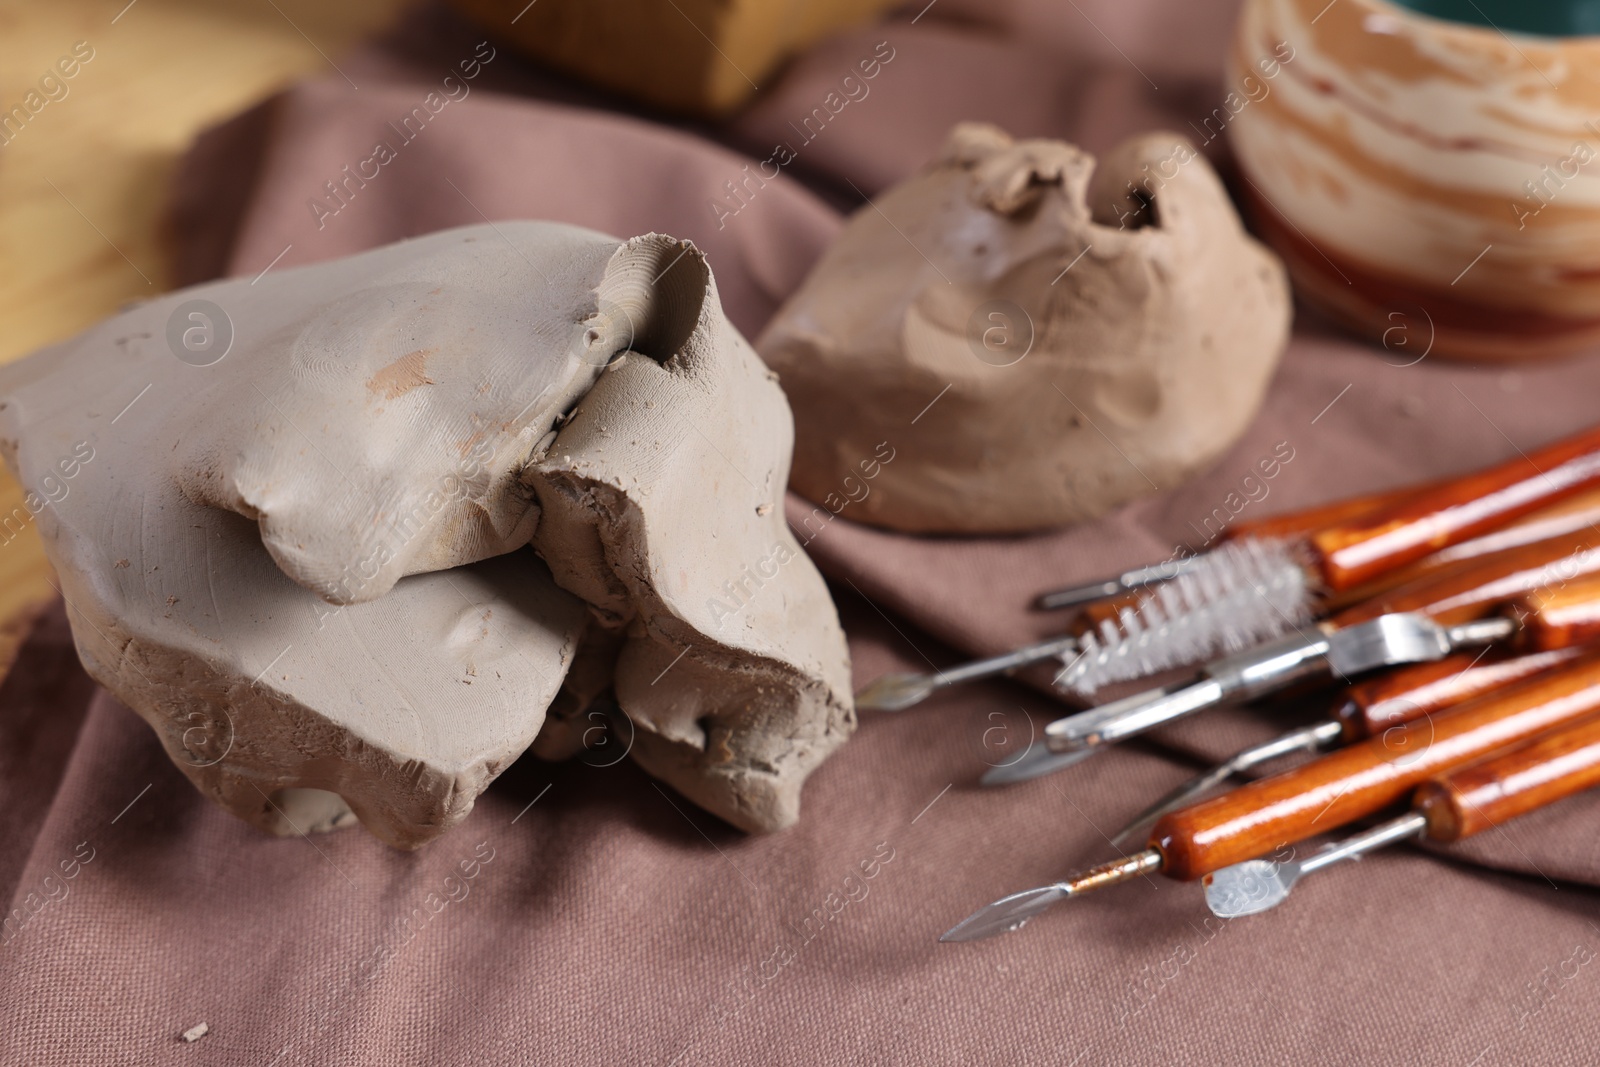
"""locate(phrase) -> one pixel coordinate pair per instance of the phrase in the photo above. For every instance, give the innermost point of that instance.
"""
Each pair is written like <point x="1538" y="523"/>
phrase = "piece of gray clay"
<point x="340" y="533"/>
<point x="1030" y="338"/>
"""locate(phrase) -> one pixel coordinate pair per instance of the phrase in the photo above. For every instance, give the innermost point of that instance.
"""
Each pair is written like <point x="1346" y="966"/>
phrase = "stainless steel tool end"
<point x="1007" y="913"/>
<point x="1132" y="715"/>
<point x="895" y="692"/>
<point x="1250" y="887"/>
<point x="1036" y="762"/>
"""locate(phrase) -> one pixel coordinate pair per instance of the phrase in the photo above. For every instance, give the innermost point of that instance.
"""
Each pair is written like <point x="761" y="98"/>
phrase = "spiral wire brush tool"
<point x="1528" y="594"/>
<point x="1157" y="645"/>
<point x="1255" y="588"/>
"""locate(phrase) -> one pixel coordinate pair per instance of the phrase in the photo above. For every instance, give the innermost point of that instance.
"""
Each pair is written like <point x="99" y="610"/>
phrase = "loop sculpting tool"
<point x="1331" y="791"/>
<point x="1536" y="593"/>
<point x="1448" y="808"/>
<point x="1367" y="710"/>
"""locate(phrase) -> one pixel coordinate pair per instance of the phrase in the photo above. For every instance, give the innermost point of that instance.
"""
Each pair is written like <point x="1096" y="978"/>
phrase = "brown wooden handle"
<point x="1475" y="590"/>
<point x="1567" y="516"/>
<point x="1310" y="520"/>
<point x="1560" y="616"/>
<point x="1355" y="552"/>
<point x="1529" y="776"/>
<point x="1358" y="781"/>
<point x="1372" y="706"/>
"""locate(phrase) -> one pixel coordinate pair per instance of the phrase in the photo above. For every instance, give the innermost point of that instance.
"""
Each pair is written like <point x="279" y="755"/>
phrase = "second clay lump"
<point x="1036" y="337"/>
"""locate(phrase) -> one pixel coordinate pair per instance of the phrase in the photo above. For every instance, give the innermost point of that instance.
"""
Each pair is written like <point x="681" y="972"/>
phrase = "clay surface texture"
<point x="345" y="533"/>
<point x="1035" y="337"/>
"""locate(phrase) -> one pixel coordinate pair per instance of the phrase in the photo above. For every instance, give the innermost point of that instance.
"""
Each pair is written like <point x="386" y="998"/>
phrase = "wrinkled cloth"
<point x="585" y="914"/>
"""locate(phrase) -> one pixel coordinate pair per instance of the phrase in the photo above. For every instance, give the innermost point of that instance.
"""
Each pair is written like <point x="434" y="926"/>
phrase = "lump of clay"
<point x="292" y="519"/>
<point x="1033" y="338"/>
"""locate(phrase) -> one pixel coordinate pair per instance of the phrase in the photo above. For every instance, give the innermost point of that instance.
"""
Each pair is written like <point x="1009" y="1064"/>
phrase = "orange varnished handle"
<point x="1579" y="512"/>
<point x="1560" y="616"/>
<point x="1473" y="591"/>
<point x="1528" y="776"/>
<point x="1577" y="519"/>
<point x="1358" y="781"/>
<point x="1356" y="552"/>
<point x="1372" y="706"/>
<point x="1310" y="520"/>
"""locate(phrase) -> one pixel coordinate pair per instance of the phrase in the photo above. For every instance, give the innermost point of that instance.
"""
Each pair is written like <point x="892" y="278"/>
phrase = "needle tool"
<point x="1289" y="524"/>
<point x="896" y="692"/>
<point x="1355" y="539"/>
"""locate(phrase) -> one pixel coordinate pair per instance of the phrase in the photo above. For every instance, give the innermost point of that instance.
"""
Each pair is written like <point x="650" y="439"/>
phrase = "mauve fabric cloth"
<point x="583" y="914"/>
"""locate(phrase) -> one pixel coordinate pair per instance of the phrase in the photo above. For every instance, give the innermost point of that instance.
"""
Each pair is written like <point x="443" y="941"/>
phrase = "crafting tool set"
<point x="1451" y="632"/>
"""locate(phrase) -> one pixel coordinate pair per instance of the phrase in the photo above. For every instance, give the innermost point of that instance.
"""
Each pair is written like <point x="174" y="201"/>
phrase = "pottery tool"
<point x="1183" y="621"/>
<point x="1367" y="710"/>
<point x="1575" y="514"/>
<point x="1534" y="595"/>
<point x="1191" y="632"/>
<point x="1290" y="573"/>
<point x="1453" y="806"/>
<point x="1328" y="792"/>
<point x="1460" y="593"/>
<point x="1289" y="524"/>
<point x="896" y="692"/>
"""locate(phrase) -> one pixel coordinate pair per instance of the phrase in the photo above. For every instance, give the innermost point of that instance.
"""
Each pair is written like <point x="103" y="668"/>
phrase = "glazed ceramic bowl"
<point x="1427" y="174"/>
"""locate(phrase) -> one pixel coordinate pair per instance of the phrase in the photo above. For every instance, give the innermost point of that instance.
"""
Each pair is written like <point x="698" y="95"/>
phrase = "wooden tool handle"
<point x="1559" y="616"/>
<point x="1474" y="591"/>
<point x="1529" y="776"/>
<point x="1354" y="782"/>
<point x="1370" y="707"/>
<point x="1579" y="512"/>
<point x="1310" y="520"/>
<point x="1355" y="552"/>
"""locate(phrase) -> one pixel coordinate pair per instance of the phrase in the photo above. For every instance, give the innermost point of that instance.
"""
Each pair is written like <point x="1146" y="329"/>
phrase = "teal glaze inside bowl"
<point x="1549" y="18"/>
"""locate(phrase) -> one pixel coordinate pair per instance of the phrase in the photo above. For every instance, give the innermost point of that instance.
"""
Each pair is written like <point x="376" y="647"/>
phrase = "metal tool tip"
<point x="1006" y="914"/>
<point x="893" y="692"/>
<point x="1246" y="889"/>
<point x="1009" y="913"/>
<point x="1035" y="762"/>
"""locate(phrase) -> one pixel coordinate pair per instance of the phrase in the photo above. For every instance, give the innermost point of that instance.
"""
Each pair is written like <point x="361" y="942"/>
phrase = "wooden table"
<point x="83" y="180"/>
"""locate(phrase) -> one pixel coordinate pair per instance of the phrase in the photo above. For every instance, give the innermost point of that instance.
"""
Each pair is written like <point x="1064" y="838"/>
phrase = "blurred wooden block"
<point x="702" y="57"/>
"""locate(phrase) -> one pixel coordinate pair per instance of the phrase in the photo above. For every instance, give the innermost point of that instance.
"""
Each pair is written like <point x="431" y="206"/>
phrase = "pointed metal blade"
<point x="1080" y="594"/>
<point x="1006" y="914"/>
<point x="1109" y="723"/>
<point x="1036" y="762"/>
<point x="1249" y="888"/>
<point x="894" y="692"/>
